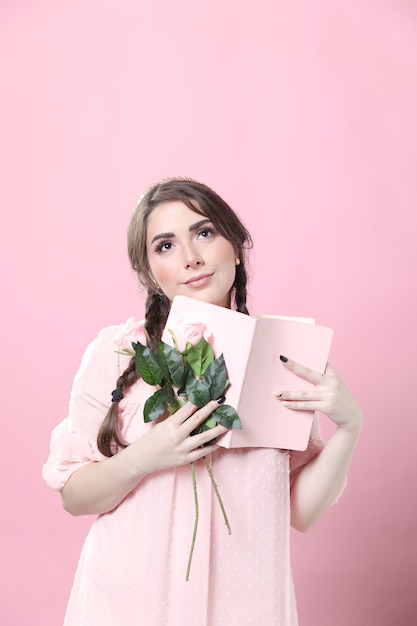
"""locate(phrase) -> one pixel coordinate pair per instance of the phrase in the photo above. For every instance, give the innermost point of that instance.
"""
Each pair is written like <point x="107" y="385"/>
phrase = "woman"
<point x="184" y="239"/>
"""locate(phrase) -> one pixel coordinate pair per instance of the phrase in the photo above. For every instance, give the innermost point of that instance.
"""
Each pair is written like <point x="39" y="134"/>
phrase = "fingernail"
<point x="221" y="399"/>
<point x="277" y="395"/>
<point x="283" y="358"/>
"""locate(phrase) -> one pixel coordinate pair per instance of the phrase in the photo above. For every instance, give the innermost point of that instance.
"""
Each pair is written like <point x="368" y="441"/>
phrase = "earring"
<point x="237" y="261"/>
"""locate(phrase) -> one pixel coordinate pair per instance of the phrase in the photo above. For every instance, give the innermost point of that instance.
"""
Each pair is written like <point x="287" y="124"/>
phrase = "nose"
<point x="192" y="257"/>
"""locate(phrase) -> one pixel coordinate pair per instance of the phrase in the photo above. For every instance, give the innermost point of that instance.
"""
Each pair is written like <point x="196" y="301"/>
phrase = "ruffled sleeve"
<point x="74" y="440"/>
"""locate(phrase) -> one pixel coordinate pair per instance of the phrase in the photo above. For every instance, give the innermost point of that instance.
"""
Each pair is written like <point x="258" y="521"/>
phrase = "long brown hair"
<point x="200" y="199"/>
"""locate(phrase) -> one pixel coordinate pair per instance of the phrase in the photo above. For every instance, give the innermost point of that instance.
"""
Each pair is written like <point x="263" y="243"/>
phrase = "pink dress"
<point x="133" y="564"/>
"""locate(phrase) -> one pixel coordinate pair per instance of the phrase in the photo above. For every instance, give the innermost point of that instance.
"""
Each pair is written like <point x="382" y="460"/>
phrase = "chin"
<point x="218" y="301"/>
<point x="210" y="298"/>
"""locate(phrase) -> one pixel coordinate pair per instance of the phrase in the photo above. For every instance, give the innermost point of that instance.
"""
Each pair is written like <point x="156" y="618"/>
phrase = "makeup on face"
<point x="187" y="256"/>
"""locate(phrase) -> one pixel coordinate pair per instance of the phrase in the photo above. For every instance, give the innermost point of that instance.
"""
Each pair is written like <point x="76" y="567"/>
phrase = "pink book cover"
<point x="251" y="347"/>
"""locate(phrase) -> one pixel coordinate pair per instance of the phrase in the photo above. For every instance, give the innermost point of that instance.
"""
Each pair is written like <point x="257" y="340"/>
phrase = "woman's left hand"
<point x="329" y="396"/>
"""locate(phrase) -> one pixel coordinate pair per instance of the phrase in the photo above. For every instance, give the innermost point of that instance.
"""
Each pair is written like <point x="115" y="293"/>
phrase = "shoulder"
<point x="109" y="350"/>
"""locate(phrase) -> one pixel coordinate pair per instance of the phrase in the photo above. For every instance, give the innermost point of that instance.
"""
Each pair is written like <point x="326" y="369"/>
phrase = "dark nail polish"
<point x="221" y="399"/>
<point x="283" y="358"/>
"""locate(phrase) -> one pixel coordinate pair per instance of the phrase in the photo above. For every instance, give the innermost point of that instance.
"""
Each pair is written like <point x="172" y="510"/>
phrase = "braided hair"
<point x="200" y="199"/>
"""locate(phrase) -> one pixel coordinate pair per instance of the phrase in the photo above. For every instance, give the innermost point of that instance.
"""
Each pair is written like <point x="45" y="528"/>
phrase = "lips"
<point x="198" y="281"/>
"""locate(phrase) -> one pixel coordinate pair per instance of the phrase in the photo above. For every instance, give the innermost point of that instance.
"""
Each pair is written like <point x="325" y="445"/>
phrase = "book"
<point x="251" y="347"/>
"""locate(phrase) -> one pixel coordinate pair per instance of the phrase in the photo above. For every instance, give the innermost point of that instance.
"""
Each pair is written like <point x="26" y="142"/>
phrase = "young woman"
<point x="184" y="239"/>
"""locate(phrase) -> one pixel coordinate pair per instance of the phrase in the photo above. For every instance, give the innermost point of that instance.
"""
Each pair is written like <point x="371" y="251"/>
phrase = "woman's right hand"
<point x="99" y="487"/>
<point x="169" y="443"/>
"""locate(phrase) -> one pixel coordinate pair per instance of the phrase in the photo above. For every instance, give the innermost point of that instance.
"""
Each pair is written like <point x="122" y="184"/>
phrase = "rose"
<point x="192" y="374"/>
<point x="187" y="371"/>
<point x="132" y="332"/>
<point x="187" y="334"/>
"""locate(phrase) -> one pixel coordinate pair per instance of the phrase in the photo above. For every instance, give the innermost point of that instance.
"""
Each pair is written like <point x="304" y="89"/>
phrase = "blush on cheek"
<point x="165" y="277"/>
<point x="162" y="274"/>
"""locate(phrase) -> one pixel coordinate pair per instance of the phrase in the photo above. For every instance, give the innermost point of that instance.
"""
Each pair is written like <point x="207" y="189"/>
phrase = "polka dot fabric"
<point x="133" y="563"/>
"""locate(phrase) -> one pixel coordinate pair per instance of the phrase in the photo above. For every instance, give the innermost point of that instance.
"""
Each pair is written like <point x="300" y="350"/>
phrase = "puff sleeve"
<point x="74" y="440"/>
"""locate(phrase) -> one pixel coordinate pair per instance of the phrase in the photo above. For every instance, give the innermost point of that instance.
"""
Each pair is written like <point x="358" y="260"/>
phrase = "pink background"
<point x="303" y="115"/>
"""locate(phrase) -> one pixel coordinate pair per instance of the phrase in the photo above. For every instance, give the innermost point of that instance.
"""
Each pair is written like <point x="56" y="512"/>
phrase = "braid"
<point x="110" y="430"/>
<point x="156" y="312"/>
<point x="240" y="292"/>
<point x="204" y="201"/>
<point x="157" y="309"/>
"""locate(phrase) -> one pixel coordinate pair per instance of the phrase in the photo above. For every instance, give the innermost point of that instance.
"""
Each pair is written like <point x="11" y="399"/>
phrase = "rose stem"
<point x="187" y="576"/>
<point x="216" y="489"/>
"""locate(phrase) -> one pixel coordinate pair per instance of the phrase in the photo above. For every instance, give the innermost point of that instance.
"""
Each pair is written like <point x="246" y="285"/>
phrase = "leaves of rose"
<point x="199" y="357"/>
<point x="194" y="373"/>
<point x="187" y="371"/>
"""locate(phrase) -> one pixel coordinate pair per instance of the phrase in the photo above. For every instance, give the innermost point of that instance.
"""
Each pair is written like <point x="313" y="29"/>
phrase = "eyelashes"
<point x="161" y="246"/>
<point x="165" y="245"/>
<point x="207" y="229"/>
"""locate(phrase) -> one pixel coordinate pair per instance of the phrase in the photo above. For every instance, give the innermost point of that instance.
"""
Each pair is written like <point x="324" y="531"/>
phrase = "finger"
<point x="203" y="438"/>
<point x="184" y="413"/>
<point x="331" y="371"/>
<point x="301" y="370"/>
<point x="303" y="395"/>
<point x="199" y="453"/>
<point x="200" y="415"/>
<point x="308" y="405"/>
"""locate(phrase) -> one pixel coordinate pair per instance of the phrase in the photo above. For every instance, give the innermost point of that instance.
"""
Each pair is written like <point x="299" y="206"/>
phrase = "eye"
<point x="163" y="246"/>
<point x="206" y="232"/>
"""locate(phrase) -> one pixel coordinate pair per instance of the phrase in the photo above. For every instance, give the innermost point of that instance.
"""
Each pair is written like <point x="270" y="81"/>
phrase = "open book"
<point x="251" y="347"/>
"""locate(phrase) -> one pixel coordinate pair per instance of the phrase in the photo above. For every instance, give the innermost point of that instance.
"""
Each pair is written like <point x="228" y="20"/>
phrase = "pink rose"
<point x="190" y="332"/>
<point x="132" y="332"/>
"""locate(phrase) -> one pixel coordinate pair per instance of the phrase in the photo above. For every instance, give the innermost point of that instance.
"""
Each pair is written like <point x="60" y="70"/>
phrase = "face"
<point x="187" y="256"/>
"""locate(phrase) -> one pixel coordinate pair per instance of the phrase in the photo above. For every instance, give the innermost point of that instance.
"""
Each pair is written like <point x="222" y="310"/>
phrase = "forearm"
<point x="99" y="487"/>
<point x="321" y="481"/>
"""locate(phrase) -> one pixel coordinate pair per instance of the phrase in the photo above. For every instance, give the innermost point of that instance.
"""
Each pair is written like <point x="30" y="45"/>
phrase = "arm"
<point x="320" y="482"/>
<point x="100" y="486"/>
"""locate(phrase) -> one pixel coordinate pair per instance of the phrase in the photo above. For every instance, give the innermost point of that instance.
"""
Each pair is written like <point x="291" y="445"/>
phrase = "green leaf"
<point x="187" y="348"/>
<point x="171" y="363"/>
<point x="188" y="376"/>
<point x="197" y="392"/>
<point x="172" y="402"/>
<point x="147" y="365"/>
<point x="199" y="357"/>
<point x="167" y="393"/>
<point x="227" y="416"/>
<point x="155" y="406"/>
<point x="215" y="377"/>
<point x="189" y="379"/>
<point x="174" y="406"/>
<point x="171" y="332"/>
<point x="210" y="422"/>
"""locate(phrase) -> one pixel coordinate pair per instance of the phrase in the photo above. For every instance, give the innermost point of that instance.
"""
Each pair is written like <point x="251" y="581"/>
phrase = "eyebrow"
<point x="192" y="229"/>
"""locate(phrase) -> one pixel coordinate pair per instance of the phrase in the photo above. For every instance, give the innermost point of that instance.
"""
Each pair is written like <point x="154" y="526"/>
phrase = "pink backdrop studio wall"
<point x="303" y="116"/>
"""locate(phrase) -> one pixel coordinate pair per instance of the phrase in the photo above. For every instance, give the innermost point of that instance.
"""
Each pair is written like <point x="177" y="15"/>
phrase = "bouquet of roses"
<point x="187" y="371"/>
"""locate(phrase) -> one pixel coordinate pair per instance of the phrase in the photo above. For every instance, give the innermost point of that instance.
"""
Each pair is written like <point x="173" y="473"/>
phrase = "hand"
<point x="330" y="396"/>
<point x="169" y="444"/>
